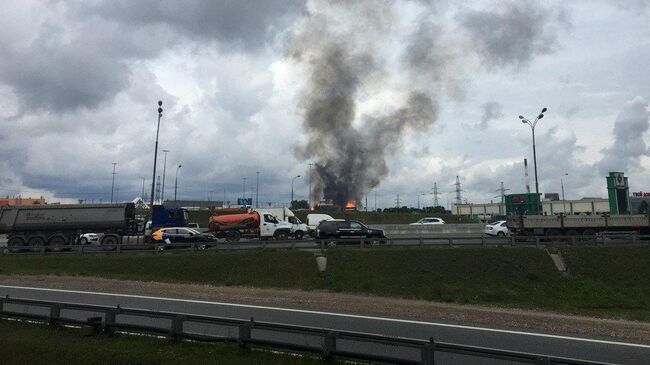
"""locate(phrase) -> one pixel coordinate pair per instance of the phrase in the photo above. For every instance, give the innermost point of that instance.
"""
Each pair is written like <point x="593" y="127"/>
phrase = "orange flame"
<point x="351" y="204"/>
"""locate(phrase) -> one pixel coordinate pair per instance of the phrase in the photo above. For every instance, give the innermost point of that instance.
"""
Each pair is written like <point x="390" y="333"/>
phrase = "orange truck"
<point x="261" y="225"/>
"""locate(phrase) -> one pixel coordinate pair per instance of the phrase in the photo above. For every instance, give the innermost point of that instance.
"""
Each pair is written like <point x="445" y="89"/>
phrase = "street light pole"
<point x="244" y="189"/>
<point x="113" y="183"/>
<point x="162" y="194"/>
<point x="292" y="180"/>
<point x="562" y="184"/>
<point x="257" y="190"/>
<point x="309" y="196"/>
<point x="532" y="127"/>
<point x="155" y="154"/>
<point x="176" y="182"/>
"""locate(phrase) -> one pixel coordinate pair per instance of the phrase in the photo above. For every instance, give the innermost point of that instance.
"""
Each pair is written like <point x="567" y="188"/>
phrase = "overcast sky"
<point x="79" y="83"/>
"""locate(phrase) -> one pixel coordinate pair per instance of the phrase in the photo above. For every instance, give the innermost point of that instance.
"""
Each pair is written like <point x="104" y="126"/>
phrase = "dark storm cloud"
<point x="245" y="23"/>
<point x="515" y="33"/>
<point x="629" y="144"/>
<point x="491" y="110"/>
<point x="84" y="58"/>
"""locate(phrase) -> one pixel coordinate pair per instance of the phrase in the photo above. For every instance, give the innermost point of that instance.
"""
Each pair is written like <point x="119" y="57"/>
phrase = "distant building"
<point x="21" y="201"/>
<point x="551" y="196"/>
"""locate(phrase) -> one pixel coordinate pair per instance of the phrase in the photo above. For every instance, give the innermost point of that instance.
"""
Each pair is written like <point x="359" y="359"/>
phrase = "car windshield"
<point x="193" y="231"/>
<point x="494" y="223"/>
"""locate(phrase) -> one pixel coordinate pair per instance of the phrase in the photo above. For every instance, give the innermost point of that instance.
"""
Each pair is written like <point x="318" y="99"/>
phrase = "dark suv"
<point x="345" y="229"/>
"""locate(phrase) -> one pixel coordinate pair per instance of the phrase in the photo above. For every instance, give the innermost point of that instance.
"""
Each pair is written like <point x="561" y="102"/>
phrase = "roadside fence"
<point x="328" y="343"/>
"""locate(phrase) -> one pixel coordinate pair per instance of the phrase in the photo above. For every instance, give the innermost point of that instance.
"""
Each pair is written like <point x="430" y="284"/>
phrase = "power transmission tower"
<point x="458" y="190"/>
<point x="397" y="201"/>
<point x="435" y="194"/>
<point x="501" y="190"/>
<point x="113" y="183"/>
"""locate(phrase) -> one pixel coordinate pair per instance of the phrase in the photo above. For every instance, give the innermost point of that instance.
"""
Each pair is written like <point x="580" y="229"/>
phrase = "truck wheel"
<point x="15" y="244"/>
<point x="232" y="236"/>
<point x="589" y="235"/>
<point x="298" y="235"/>
<point x="57" y="243"/>
<point x="36" y="241"/>
<point x="83" y="241"/>
<point x="109" y="242"/>
<point x="281" y="236"/>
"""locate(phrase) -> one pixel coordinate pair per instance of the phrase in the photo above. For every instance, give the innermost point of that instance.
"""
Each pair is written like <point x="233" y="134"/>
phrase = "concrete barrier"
<point x="470" y="229"/>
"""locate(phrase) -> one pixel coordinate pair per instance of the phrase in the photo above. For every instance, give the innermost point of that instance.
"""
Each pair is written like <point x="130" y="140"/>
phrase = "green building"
<point x="618" y="192"/>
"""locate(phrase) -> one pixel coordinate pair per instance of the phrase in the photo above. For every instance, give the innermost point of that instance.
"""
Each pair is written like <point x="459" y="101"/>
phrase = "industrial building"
<point x="585" y="206"/>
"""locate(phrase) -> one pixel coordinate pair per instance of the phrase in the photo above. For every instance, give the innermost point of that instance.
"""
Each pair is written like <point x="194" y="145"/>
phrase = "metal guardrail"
<point x="413" y="241"/>
<point x="109" y="320"/>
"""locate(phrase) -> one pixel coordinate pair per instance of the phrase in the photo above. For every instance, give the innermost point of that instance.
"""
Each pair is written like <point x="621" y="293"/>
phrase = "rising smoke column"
<point x="340" y="45"/>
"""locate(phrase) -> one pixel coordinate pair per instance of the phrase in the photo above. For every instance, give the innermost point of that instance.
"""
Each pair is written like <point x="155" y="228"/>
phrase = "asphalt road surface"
<point x="595" y="349"/>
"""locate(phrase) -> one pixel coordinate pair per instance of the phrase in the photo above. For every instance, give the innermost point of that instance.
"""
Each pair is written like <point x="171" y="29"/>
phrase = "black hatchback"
<point x="346" y="229"/>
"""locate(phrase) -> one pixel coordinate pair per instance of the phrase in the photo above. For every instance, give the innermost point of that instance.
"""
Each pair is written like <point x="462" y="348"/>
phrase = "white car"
<point x="428" y="221"/>
<point x="497" y="228"/>
<point x="87" y="238"/>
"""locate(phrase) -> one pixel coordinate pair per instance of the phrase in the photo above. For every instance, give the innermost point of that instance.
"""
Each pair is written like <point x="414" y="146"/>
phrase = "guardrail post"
<point x="362" y="243"/>
<point x="293" y="244"/>
<point x="245" y="334"/>
<point x="322" y="245"/>
<point x="482" y="240"/>
<point x="119" y="247"/>
<point x="2" y="303"/>
<point x="428" y="352"/>
<point x="42" y="250"/>
<point x="536" y="241"/>
<point x="192" y="247"/>
<point x="55" y="314"/>
<point x="329" y="345"/>
<point x="544" y="361"/>
<point x="573" y="240"/>
<point x="176" y="330"/>
<point x="109" y="321"/>
<point x="513" y="241"/>
<point x="81" y="249"/>
<point x="451" y="241"/>
<point x="421" y="242"/>
<point x="634" y="238"/>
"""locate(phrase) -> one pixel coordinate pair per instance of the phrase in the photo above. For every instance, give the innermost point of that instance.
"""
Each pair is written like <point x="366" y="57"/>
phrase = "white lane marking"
<point x="340" y="315"/>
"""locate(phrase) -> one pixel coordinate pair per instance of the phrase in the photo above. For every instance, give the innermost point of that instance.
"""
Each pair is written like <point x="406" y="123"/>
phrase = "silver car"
<point x="497" y="228"/>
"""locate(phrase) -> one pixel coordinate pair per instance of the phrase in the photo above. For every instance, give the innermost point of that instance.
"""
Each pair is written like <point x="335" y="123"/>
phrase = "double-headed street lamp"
<point x="176" y="182"/>
<point x="155" y="154"/>
<point x="292" y="180"/>
<point x="532" y="127"/>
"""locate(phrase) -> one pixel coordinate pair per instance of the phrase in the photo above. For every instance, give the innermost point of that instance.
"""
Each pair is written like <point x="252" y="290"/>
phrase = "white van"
<point x="314" y="219"/>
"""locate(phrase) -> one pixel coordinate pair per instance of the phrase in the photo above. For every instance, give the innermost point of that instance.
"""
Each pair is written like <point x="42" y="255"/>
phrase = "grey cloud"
<point x="245" y="23"/>
<point x="491" y="110"/>
<point x="514" y="34"/>
<point x="629" y="144"/>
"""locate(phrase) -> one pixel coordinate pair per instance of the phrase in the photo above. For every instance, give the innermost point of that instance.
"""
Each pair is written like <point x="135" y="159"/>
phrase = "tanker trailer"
<point x="260" y="225"/>
<point x="60" y="225"/>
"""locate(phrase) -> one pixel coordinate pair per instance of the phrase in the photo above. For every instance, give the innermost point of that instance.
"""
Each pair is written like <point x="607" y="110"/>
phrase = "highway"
<point x="595" y="349"/>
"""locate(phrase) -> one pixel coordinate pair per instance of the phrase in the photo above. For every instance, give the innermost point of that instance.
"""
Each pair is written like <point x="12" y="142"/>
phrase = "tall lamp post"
<point x="532" y="127"/>
<point x="309" y="195"/>
<point x="176" y="182"/>
<point x="162" y="194"/>
<point x="292" y="180"/>
<point x="243" y="189"/>
<point x="257" y="190"/>
<point x="155" y="154"/>
<point x="562" y="184"/>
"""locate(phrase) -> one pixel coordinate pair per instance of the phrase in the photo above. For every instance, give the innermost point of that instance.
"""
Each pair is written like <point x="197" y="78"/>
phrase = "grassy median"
<point x="27" y="343"/>
<point x="607" y="282"/>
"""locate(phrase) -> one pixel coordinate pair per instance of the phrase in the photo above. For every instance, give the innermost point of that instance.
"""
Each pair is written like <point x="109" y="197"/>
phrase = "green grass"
<point x="607" y="282"/>
<point x="25" y="343"/>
